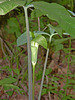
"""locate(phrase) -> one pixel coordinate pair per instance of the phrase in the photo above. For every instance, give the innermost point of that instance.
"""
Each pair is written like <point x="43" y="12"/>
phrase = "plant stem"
<point x="68" y="66"/>
<point x="45" y="64"/>
<point x="71" y="5"/>
<point x="38" y="23"/>
<point x="29" y="55"/>
<point x="33" y="81"/>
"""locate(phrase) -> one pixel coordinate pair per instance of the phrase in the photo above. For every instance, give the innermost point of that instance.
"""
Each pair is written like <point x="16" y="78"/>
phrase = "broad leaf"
<point x="58" y="47"/>
<point x="21" y="40"/>
<point x="57" y="29"/>
<point x="8" y="80"/>
<point x="14" y="27"/>
<point x="28" y="1"/>
<point x="58" y="41"/>
<point x="38" y="39"/>
<point x="58" y="13"/>
<point x="36" y="13"/>
<point x="9" y="86"/>
<point x="8" y="5"/>
<point x="2" y="1"/>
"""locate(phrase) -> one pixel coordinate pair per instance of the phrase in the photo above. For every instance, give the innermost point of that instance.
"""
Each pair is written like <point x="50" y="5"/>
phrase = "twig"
<point x="38" y="23"/>
<point x="45" y="28"/>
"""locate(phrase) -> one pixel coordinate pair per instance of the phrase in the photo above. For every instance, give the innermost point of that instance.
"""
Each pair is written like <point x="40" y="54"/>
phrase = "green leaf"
<point x="51" y="30"/>
<point x="9" y="86"/>
<point x="55" y="79"/>
<point x="58" y="47"/>
<point x="36" y="13"/>
<point x="10" y="93"/>
<point x="72" y="75"/>
<point x="39" y="75"/>
<point x="58" y="41"/>
<point x="48" y="71"/>
<point x="44" y="91"/>
<point x="57" y="29"/>
<point x="14" y="27"/>
<point x="65" y="2"/>
<point x="7" y="68"/>
<point x="17" y="71"/>
<point x="41" y="40"/>
<point x="9" y="5"/>
<point x="22" y="39"/>
<point x="58" y="13"/>
<point x="28" y="1"/>
<point x="68" y="97"/>
<point x="2" y="1"/>
<point x="8" y="80"/>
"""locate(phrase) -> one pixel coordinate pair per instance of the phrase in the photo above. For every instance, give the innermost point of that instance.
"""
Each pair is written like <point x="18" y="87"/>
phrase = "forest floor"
<point x="58" y="62"/>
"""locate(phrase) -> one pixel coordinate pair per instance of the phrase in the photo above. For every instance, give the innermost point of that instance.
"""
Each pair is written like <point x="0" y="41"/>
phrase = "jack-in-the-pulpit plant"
<point x="56" y="12"/>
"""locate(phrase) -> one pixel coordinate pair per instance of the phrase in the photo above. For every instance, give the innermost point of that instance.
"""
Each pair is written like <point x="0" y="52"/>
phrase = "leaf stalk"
<point x="29" y="55"/>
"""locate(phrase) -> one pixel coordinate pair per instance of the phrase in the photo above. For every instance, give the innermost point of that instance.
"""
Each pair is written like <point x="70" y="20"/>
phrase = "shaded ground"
<point x="59" y="65"/>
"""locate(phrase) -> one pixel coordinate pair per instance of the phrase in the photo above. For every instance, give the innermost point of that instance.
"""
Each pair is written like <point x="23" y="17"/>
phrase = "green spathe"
<point x="34" y="52"/>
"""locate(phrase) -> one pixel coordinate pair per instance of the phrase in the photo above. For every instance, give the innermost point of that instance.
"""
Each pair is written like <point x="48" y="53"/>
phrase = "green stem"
<point x="71" y="5"/>
<point x="29" y="55"/>
<point x="33" y="81"/>
<point x="45" y="64"/>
